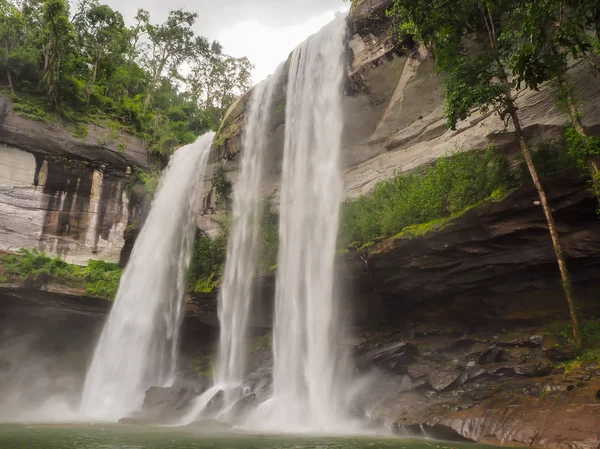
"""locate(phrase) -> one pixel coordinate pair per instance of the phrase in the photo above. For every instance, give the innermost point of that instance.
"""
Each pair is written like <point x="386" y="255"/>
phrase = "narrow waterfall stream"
<point x="308" y="393"/>
<point x="235" y="298"/>
<point x="243" y="249"/>
<point x="138" y="345"/>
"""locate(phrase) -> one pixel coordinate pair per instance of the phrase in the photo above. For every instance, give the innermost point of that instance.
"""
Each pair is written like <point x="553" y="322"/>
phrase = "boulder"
<point x="492" y="355"/>
<point x="441" y="379"/>
<point x="215" y="404"/>
<point x="393" y="358"/>
<point x="556" y="349"/>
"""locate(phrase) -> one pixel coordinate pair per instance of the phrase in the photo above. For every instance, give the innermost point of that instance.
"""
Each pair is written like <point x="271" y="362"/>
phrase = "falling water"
<point x="242" y="252"/>
<point x="137" y="348"/>
<point x="235" y="299"/>
<point x="307" y="393"/>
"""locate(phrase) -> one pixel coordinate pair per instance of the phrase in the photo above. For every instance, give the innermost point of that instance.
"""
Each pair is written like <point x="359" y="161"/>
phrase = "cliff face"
<point x="65" y="195"/>
<point x="393" y="109"/>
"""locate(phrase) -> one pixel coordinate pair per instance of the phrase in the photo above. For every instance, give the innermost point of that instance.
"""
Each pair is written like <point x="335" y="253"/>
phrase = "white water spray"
<point x="308" y="395"/>
<point x="138" y="346"/>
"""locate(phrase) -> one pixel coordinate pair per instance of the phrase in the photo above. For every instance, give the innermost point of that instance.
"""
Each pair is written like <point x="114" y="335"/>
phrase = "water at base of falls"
<point x="138" y="345"/>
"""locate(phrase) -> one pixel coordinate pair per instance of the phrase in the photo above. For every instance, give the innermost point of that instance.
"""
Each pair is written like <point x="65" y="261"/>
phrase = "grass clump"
<point x="590" y="352"/>
<point x="101" y="278"/>
<point x="264" y="343"/>
<point x="80" y="132"/>
<point x="32" y="108"/>
<point x="31" y="265"/>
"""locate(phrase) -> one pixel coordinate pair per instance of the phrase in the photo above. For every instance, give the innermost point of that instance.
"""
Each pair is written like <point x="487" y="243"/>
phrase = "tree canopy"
<point x="159" y="81"/>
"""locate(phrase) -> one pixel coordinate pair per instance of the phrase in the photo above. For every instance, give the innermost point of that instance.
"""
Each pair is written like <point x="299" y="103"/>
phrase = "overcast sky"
<point x="265" y="31"/>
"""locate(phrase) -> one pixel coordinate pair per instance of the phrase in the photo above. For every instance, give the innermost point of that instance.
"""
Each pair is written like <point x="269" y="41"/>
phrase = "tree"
<point x="57" y="36"/>
<point x="90" y="65"/>
<point x="552" y="31"/>
<point x="17" y="53"/>
<point x="170" y="44"/>
<point x="100" y="30"/>
<point x="11" y="28"/>
<point x="217" y="79"/>
<point x="473" y="43"/>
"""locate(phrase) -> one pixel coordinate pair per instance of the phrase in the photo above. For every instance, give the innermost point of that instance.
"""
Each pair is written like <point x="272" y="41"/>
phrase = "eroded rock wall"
<point x="394" y="114"/>
<point x="63" y="195"/>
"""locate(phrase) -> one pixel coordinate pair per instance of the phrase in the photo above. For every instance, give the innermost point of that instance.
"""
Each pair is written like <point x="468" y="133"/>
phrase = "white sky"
<point x="265" y="31"/>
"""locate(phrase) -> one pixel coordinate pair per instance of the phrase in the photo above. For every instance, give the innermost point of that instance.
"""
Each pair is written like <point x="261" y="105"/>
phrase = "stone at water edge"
<point x="240" y="408"/>
<point x="215" y="405"/>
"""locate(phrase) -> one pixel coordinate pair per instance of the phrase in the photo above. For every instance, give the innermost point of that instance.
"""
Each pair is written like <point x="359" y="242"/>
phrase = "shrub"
<point x="99" y="279"/>
<point x="102" y="278"/>
<point x="446" y="188"/>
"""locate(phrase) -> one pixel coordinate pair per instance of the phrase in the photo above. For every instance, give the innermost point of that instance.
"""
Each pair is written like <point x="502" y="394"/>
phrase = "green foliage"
<point x="415" y="203"/>
<point x="264" y="343"/>
<point x="222" y="187"/>
<point x="207" y="285"/>
<point x="101" y="278"/>
<point x="590" y="354"/>
<point x="209" y="255"/>
<point x="208" y="260"/>
<point x="3" y="279"/>
<point x="204" y="365"/>
<point x="580" y="147"/>
<point x="98" y="278"/>
<point x="80" y="132"/>
<point x="269" y="234"/>
<point x="32" y="265"/>
<point x="150" y="179"/>
<point x="590" y="331"/>
<point x="32" y="108"/>
<point x="87" y="66"/>
<point x="549" y="158"/>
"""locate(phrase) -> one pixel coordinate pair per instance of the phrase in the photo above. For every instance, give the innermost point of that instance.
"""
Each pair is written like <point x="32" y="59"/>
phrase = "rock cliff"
<point x="66" y="195"/>
<point x="393" y="108"/>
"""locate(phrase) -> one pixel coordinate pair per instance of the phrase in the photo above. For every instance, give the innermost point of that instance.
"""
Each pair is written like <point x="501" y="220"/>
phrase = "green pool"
<point x="121" y="437"/>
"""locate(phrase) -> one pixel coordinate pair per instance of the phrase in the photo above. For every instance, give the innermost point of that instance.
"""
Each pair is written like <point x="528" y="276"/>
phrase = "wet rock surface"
<point x="515" y="395"/>
<point x="162" y="405"/>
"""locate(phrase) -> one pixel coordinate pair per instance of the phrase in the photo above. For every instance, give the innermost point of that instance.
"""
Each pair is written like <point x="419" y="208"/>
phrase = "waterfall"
<point x="243" y="248"/>
<point x="235" y="298"/>
<point x="307" y="392"/>
<point x="138" y="345"/>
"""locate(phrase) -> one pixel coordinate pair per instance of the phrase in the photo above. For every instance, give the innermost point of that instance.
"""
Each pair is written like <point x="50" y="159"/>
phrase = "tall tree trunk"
<point x="151" y="88"/>
<point x="10" y="81"/>
<point x="94" y="76"/>
<point x="560" y="258"/>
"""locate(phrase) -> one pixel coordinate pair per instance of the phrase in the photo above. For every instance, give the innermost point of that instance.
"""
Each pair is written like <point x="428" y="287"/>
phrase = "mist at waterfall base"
<point x="139" y="342"/>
